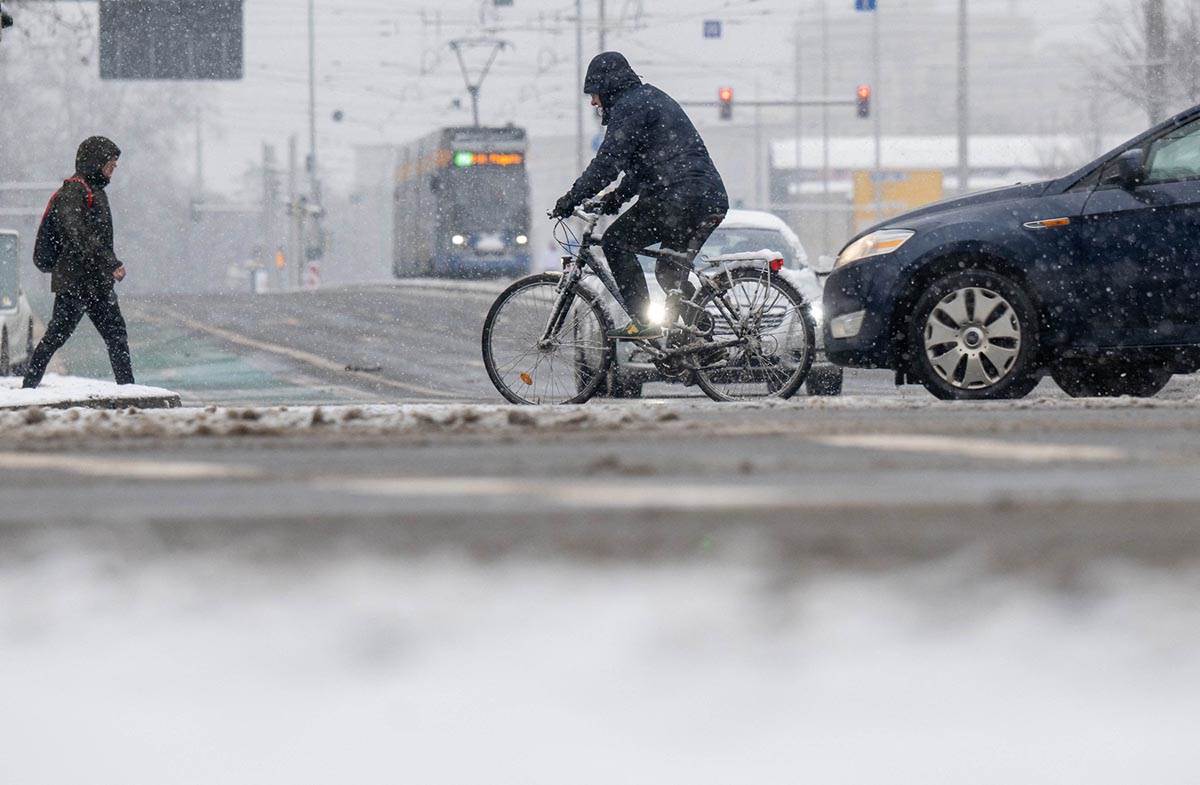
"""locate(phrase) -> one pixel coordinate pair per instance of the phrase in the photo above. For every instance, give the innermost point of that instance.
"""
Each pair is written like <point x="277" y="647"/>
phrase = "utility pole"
<point x="759" y="197"/>
<point x="876" y="78"/>
<point x="312" y="98"/>
<point x="199" y="189"/>
<point x="294" y="252"/>
<point x="796" y="120"/>
<point x="1156" y="60"/>
<point x="964" y="101"/>
<point x="603" y="28"/>
<point x="578" y="83"/>
<point x="826" y="173"/>
<point x="269" y="207"/>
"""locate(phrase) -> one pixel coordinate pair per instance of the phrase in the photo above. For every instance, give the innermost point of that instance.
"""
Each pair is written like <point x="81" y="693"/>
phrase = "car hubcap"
<point x="972" y="338"/>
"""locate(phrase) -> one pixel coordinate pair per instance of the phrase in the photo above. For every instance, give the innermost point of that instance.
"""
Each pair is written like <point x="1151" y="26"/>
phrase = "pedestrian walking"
<point x="75" y="245"/>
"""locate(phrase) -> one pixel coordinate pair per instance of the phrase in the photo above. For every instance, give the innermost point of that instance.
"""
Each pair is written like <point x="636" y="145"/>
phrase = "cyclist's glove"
<point x="563" y="207"/>
<point x="611" y="203"/>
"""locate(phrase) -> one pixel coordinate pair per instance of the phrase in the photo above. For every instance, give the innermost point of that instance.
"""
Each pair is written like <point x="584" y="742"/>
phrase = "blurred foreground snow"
<point x="357" y="667"/>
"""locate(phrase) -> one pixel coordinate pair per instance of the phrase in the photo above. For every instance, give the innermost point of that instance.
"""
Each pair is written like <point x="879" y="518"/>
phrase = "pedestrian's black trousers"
<point x="69" y="309"/>
<point x="675" y="223"/>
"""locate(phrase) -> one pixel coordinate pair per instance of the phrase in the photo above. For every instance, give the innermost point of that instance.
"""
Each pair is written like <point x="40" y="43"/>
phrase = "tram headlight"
<point x="458" y="239"/>
<point x="522" y="239"/>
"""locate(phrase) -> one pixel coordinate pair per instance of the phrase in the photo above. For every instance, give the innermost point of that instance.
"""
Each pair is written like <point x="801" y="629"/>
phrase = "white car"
<point x="16" y="318"/>
<point x="742" y="231"/>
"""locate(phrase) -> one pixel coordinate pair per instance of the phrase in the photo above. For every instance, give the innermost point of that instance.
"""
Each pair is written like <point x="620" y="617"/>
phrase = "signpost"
<point x="171" y="39"/>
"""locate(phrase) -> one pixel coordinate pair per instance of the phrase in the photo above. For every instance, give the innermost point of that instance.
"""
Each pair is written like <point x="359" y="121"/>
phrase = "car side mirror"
<point x="1127" y="171"/>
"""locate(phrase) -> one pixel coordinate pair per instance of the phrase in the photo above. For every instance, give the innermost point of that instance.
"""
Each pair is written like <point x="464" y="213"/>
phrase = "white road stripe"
<point x="117" y="466"/>
<point x="590" y="494"/>
<point x="988" y="449"/>
<point x="301" y="356"/>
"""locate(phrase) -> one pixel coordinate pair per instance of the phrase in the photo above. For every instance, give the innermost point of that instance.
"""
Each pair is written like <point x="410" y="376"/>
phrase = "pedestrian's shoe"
<point x="635" y="332"/>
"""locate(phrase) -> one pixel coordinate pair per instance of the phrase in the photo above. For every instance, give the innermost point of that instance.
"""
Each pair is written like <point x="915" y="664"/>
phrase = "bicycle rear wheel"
<point x="569" y="367"/>
<point x="778" y="338"/>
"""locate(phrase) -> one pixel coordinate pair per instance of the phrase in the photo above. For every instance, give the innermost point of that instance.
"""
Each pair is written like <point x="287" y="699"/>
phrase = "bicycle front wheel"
<point x="775" y="336"/>
<point x="569" y="366"/>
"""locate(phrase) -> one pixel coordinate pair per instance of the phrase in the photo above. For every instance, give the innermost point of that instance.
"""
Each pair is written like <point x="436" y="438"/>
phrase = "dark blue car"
<point x="1093" y="278"/>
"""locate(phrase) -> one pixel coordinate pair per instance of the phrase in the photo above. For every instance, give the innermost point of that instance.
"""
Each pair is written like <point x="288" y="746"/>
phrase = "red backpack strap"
<point x="91" y="197"/>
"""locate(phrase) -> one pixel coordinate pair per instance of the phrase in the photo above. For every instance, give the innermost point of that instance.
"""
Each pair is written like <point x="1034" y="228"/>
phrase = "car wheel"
<point x="1097" y="379"/>
<point x="825" y="381"/>
<point x="5" y="358"/>
<point x="974" y="337"/>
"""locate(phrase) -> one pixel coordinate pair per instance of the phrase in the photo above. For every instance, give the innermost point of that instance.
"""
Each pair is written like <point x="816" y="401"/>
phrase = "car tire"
<point x="1097" y="379"/>
<point x="974" y="337"/>
<point x="5" y="357"/>
<point x="824" y="381"/>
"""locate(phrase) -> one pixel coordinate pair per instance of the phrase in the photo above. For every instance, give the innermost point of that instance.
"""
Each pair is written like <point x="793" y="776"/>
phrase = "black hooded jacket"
<point x="79" y="224"/>
<point x="649" y="138"/>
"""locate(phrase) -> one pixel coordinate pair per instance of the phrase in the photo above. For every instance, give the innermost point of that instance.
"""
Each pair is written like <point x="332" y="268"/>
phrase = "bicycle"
<point x="745" y="334"/>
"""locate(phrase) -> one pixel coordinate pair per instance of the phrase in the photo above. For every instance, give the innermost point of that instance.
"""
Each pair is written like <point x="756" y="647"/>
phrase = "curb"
<point x="147" y="402"/>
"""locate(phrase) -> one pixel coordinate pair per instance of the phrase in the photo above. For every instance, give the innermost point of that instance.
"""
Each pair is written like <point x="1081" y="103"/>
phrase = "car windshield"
<point x="728" y="240"/>
<point x="10" y="282"/>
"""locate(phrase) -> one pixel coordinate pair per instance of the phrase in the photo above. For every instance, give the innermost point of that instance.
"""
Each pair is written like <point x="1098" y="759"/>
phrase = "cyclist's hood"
<point x="608" y="75"/>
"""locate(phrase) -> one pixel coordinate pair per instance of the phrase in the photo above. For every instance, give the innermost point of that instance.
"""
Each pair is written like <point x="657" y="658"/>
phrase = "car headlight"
<point x="458" y="239"/>
<point x="879" y="243"/>
<point x="522" y="239"/>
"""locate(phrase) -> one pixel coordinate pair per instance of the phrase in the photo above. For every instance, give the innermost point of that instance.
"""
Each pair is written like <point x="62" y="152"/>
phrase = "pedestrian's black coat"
<point x="84" y="233"/>
<point x="649" y="138"/>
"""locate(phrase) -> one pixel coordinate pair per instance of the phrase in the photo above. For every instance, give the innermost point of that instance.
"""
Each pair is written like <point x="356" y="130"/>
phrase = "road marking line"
<point x="301" y="356"/>
<point x="990" y="449"/>
<point x="119" y="467"/>
<point x="590" y="494"/>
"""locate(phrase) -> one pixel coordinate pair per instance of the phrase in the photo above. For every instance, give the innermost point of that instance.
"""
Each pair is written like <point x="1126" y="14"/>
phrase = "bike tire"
<point x="597" y="374"/>
<point x="784" y="387"/>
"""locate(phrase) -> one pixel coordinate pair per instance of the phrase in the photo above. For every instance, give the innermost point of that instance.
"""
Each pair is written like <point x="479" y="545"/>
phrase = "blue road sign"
<point x="712" y="28"/>
<point x="864" y="5"/>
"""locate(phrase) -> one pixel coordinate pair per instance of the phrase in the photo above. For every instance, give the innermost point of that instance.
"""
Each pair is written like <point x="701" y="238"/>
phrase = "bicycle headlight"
<point x="880" y="243"/>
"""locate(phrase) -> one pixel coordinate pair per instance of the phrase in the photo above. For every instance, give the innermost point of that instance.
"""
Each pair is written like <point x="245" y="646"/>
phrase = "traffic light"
<point x="725" y="98"/>
<point x="5" y="19"/>
<point x="864" y="100"/>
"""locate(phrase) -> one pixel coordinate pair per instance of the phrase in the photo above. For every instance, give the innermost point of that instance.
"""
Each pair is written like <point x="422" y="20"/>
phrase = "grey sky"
<point x="386" y="65"/>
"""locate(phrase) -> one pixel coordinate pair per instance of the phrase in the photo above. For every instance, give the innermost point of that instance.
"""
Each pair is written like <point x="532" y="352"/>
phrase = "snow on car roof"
<point x="752" y="219"/>
<point x="759" y="219"/>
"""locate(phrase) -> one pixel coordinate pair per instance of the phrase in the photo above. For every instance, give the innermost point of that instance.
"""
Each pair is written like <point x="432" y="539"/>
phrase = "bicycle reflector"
<point x="776" y="265"/>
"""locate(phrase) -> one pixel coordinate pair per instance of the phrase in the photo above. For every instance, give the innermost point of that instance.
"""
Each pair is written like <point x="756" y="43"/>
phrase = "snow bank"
<point x="38" y="424"/>
<point x="427" y="421"/>
<point x="66" y="391"/>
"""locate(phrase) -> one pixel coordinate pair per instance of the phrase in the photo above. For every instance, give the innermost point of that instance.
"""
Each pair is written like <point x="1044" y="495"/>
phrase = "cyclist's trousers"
<point x="675" y="224"/>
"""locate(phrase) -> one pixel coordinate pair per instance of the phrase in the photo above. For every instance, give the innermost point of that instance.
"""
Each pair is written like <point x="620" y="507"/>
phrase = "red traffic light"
<point x="725" y="96"/>
<point x="864" y="100"/>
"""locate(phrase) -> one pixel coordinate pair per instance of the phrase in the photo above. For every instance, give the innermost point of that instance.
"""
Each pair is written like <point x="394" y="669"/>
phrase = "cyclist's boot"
<point x="636" y="332"/>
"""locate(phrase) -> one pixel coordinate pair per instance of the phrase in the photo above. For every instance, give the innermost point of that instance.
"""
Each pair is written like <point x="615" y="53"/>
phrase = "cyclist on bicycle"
<point x="680" y="195"/>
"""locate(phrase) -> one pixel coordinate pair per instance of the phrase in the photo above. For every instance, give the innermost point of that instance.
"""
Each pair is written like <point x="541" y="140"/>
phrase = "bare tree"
<point x="1149" y="53"/>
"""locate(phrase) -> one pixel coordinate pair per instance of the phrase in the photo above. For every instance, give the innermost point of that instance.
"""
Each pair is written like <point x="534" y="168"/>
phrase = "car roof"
<point x="752" y="219"/>
<point x="760" y="219"/>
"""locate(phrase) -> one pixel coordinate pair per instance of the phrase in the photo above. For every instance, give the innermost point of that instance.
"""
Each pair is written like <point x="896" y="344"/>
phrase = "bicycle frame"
<point x="584" y="259"/>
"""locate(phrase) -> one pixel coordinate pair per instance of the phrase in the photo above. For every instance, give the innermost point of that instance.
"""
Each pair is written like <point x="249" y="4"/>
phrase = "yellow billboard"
<point x="880" y="195"/>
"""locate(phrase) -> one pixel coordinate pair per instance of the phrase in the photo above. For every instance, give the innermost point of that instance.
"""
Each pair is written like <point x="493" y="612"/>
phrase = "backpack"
<point x="48" y="246"/>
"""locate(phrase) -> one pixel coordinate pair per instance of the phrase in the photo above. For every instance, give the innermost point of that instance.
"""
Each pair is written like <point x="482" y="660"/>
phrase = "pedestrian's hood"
<point x="94" y="152"/>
